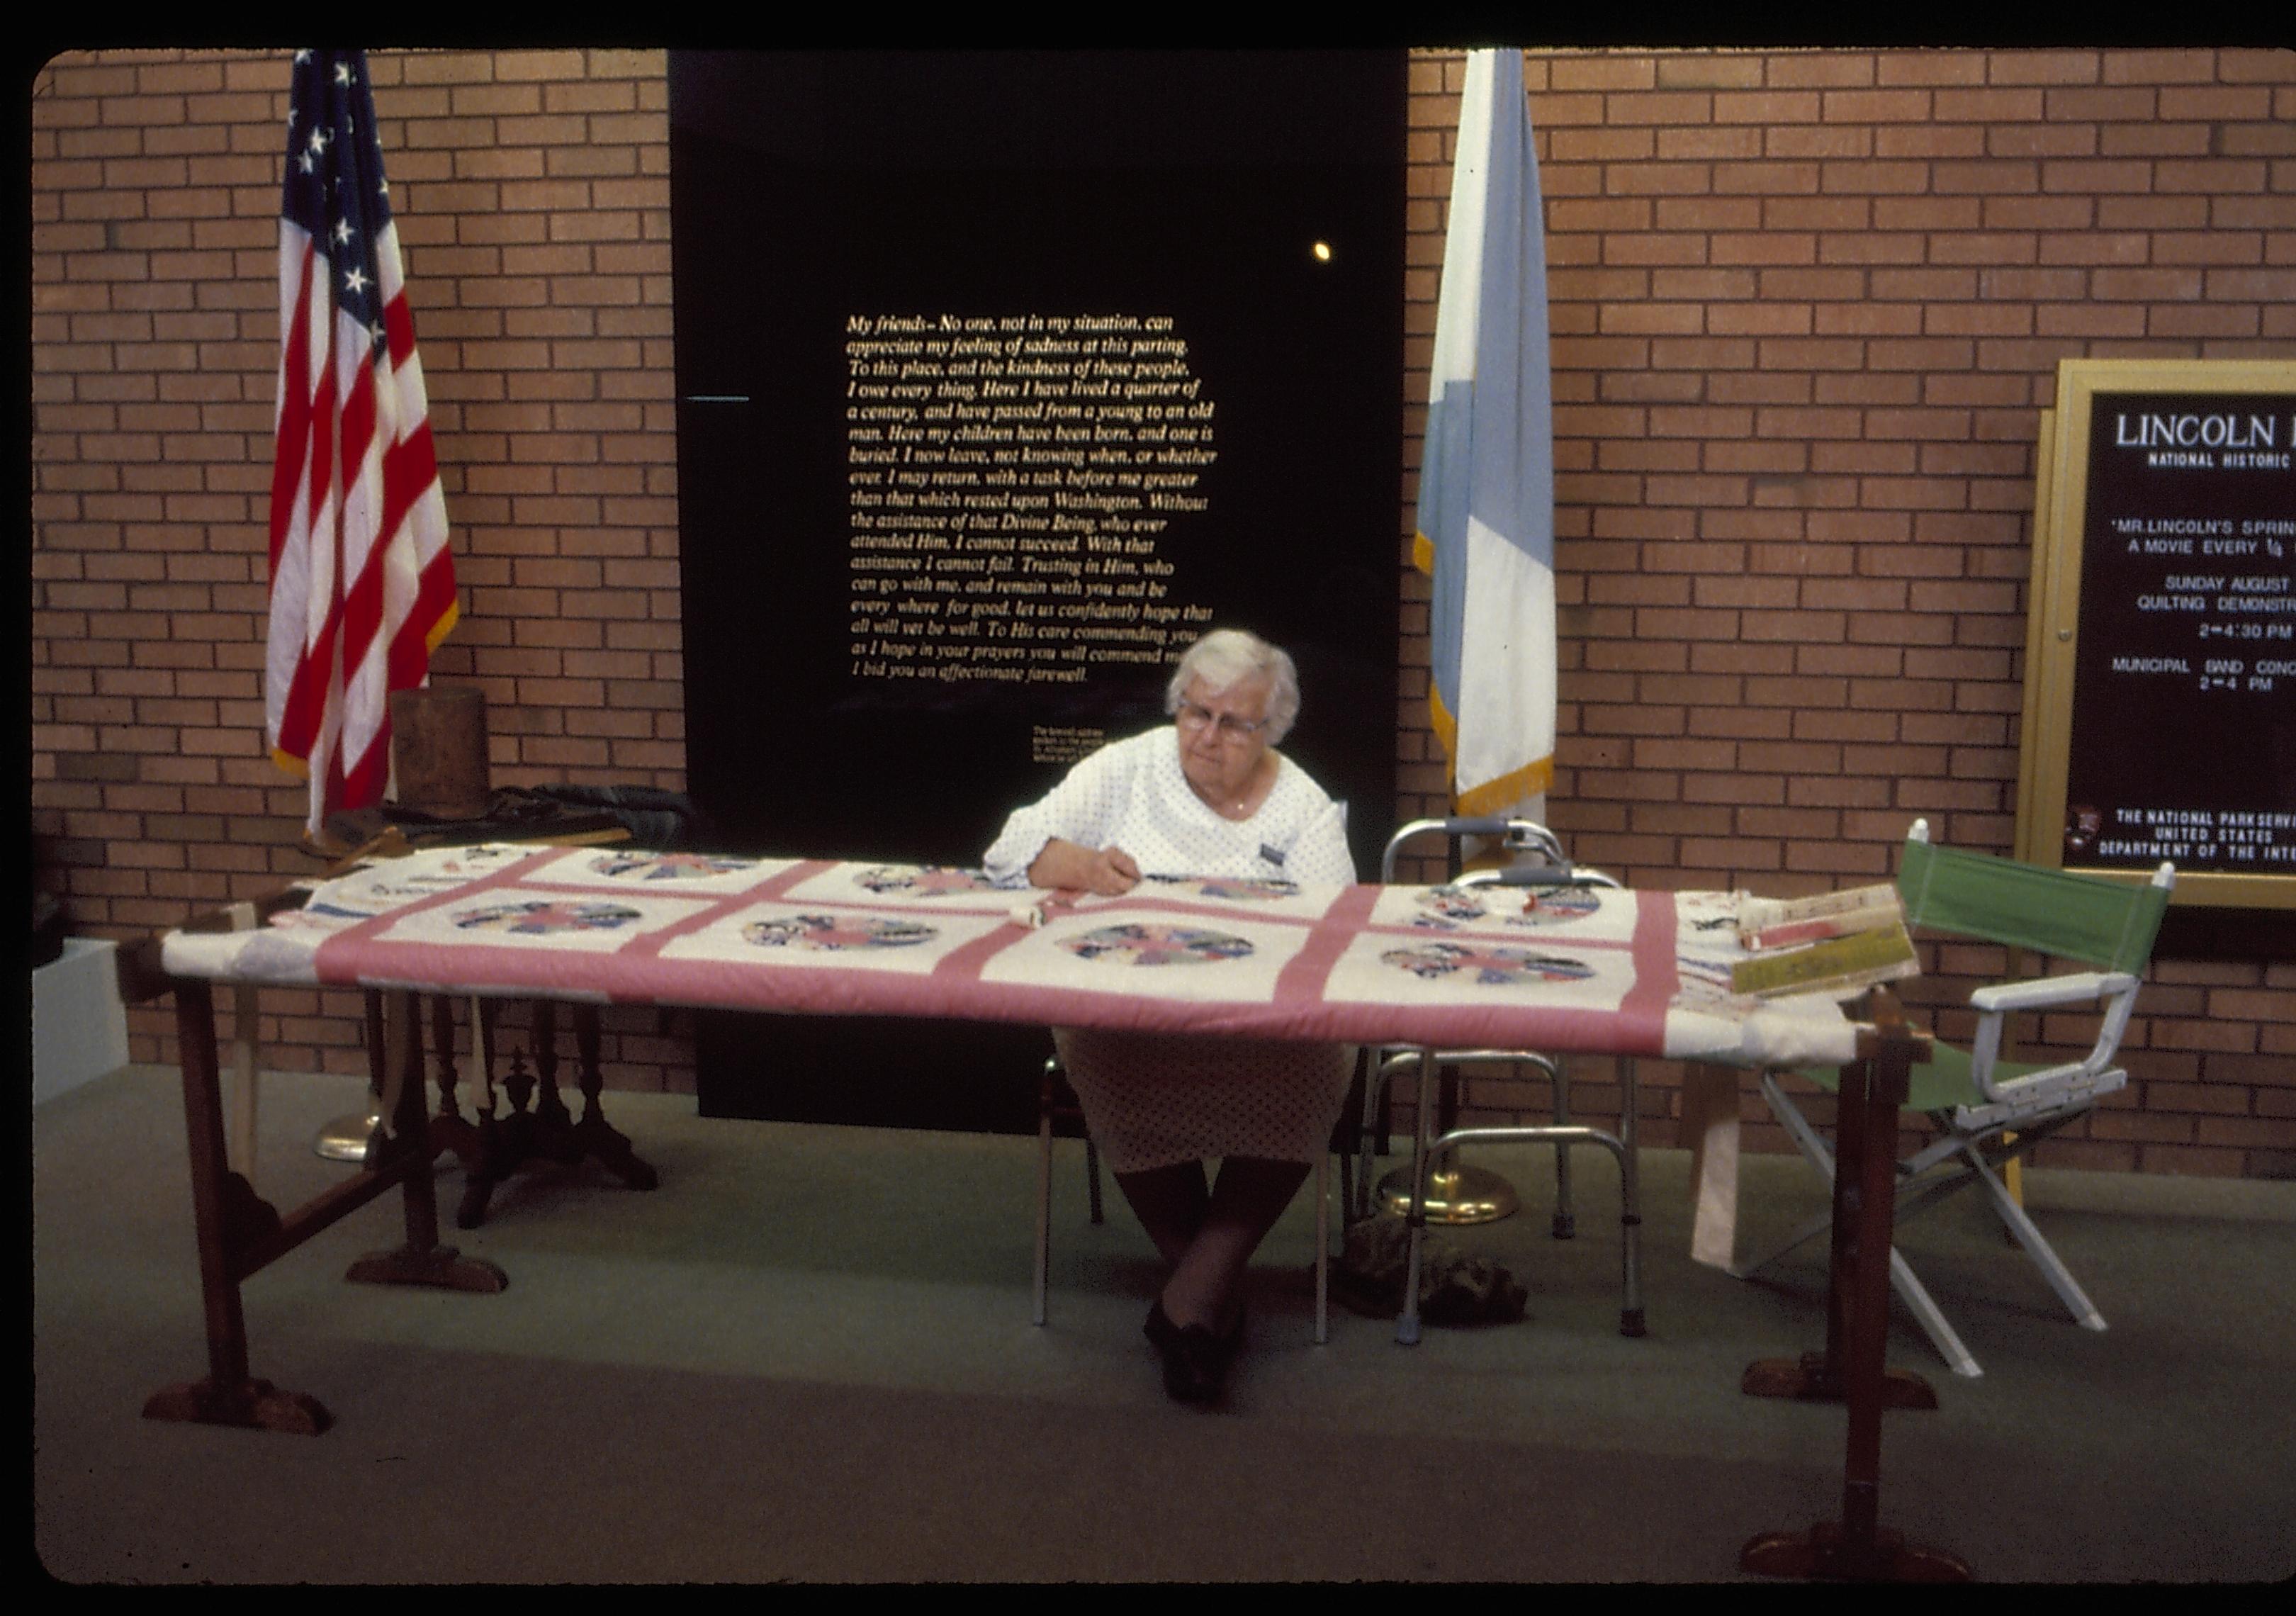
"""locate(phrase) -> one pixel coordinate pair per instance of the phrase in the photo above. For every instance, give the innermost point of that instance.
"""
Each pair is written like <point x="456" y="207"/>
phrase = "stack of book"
<point x="1835" y="943"/>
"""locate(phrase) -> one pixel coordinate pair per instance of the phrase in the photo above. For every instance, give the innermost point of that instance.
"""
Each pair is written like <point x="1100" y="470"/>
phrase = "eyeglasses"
<point x="1231" y="729"/>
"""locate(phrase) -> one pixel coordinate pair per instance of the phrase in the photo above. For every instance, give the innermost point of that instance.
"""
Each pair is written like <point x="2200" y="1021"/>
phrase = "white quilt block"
<point x="1152" y="954"/>
<point x="377" y="889"/>
<point x="522" y="917"/>
<point x="1438" y="969"/>
<point x="636" y="870"/>
<point x="1525" y="916"/>
<point x="939" y="888"/>
<point x="788" y="934"/>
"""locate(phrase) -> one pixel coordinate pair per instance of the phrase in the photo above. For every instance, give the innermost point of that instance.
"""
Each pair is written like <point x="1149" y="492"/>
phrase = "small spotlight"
<point x="1322" y="251"/>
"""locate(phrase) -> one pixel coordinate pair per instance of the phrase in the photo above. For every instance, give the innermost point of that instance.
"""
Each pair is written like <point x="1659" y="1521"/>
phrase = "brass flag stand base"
<point x="1456" y="1195"/>
<point x="350" y="1138"/>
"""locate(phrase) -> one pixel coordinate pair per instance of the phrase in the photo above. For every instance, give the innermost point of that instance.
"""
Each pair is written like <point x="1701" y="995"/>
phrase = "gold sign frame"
<point x="2053" y="621"/>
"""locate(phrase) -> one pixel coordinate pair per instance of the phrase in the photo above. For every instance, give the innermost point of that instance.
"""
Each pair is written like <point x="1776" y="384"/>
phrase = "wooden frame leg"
<point x="229" y="1395"/>
<point x="421" y="1260"/>
<point x="246" y="1057"/>
<point x="239" y="1233"/>
<point x="1856" y="1548"/>
<point x="1822" y="1376"/>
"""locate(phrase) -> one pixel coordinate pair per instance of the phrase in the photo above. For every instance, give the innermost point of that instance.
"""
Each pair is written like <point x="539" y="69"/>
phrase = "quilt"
<point x="1584" y="970"/>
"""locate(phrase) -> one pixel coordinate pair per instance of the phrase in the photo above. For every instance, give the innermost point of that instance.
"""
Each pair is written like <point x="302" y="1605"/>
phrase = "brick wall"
<point x="532" y="198"/>
<point x="1805" y="308"/>
<point x="1806" y="305"/>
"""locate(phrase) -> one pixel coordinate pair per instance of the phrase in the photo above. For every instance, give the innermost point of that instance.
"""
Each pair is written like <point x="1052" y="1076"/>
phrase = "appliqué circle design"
<point x="1556" y="906"/>
<point x="664" y="867"/>
<point x="1138" y="944"/>
<point x="542" y="917"/>
<point x="485" y="855"/>
<point x="1491" y="966"/>
<point x="1446" y="908"/>
<point x="932" y="881"/>
<point x="835" y="933"/>
<point x="366" y="902"/>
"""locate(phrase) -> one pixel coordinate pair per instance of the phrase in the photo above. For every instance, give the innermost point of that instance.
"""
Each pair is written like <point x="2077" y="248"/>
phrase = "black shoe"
<point x="1160" y="1329"/>
<point x="1232" y="1342"/>
<point x="1195" y="1360"/>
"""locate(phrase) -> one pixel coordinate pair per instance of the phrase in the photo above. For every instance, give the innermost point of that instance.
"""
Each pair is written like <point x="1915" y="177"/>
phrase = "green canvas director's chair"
<point x="1987" y="1110"/>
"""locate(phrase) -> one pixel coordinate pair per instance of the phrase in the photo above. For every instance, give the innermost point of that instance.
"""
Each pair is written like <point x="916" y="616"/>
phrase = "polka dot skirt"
<point x="1154" y="1099"/>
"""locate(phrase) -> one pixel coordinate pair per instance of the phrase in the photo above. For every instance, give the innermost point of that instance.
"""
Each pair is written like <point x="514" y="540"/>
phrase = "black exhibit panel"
<point x="1002" y="377"/>
<point x="2183" y="741"/>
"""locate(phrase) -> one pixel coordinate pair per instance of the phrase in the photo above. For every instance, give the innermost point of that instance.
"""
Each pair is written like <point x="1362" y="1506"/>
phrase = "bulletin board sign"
<point x="2161" y="669"/>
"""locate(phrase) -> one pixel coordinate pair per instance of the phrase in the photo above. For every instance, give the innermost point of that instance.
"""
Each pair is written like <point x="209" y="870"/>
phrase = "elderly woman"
<point x="1209" y="796"/>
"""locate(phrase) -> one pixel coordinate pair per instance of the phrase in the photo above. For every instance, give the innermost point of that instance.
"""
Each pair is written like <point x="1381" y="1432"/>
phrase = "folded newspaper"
<point x="1835" y="943"/>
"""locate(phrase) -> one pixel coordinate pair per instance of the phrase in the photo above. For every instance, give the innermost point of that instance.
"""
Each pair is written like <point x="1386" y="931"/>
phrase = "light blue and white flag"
<point x="1486" y="519"/>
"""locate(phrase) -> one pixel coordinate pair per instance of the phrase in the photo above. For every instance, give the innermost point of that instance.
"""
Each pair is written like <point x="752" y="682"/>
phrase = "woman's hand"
<point x="1067" y="867"/>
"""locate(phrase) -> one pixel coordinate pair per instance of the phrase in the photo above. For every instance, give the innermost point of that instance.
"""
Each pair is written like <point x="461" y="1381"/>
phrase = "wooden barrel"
<point x="438" y="751"/>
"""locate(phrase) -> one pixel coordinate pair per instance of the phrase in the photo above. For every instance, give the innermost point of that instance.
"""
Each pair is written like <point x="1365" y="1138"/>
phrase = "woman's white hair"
<point x="1225" y="658"/>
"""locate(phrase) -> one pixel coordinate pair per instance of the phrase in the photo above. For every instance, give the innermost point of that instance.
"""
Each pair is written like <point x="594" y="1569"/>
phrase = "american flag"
<point x="362" y="582"/>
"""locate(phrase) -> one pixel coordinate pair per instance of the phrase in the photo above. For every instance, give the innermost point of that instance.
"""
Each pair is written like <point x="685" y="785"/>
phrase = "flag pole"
<point x="1485" y="534"/>
<point x="361" y="578"/>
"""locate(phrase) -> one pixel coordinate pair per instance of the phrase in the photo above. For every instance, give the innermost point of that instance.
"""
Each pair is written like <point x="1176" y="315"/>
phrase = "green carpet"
<point x="808" y="1357"/>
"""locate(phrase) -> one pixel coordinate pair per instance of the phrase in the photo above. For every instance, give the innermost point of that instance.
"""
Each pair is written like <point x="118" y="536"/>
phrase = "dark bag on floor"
<point x="663" y="822"/>
<point x="660" y="821"/>
<point x="1455" y="1287"/>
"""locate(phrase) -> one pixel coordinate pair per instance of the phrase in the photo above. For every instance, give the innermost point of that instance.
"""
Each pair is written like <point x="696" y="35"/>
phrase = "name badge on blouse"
<point x="1271" y="855"/>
